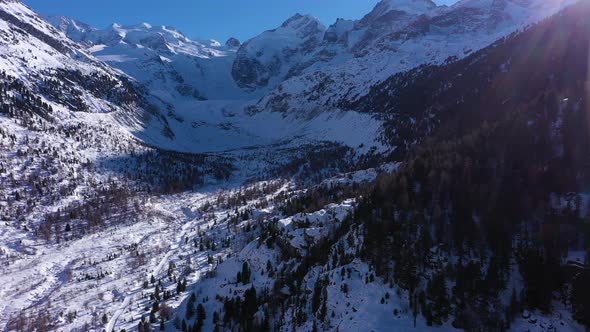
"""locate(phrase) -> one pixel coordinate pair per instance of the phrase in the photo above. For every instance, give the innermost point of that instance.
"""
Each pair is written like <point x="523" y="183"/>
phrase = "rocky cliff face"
<point x="268" y="58"/>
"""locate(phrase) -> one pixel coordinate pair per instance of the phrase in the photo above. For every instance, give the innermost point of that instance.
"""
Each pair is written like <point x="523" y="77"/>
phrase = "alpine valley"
<point x="423" y="168"/>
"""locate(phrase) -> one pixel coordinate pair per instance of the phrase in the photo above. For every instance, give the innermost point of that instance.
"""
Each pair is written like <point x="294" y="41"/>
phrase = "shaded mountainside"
<point x="500" y="178"/>
<point x="544" y="65"/>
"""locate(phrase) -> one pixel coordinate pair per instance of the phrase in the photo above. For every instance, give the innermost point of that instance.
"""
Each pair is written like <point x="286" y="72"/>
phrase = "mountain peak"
<point x="73" y="28"/>
<point x="297" y="21"/>
<point x="388" y="10"/>
<point x="233" y="43"/>
<point x="409" y="6"/>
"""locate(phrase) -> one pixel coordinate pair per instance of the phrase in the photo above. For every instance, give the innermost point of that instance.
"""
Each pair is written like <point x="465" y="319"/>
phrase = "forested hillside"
<point x="479" y="228"/>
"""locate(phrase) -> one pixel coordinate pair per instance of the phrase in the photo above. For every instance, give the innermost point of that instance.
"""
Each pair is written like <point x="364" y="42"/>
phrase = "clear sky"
<point x="216" y="19"/>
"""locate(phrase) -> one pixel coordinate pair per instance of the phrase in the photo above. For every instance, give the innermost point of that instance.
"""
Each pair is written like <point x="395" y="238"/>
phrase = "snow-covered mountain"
<point x="335" y="64"/>
<point x="32" y="46"/>
<point x="191" y="81"/>
<point x="171" y="65"/>
<point x="74" y="29"/>
<point x="396" y="36"/>
<point x="267" y="59"/>
<point x="150" y="181"/>
<point x="65" y="72"/>
<point x="297" y="79"/>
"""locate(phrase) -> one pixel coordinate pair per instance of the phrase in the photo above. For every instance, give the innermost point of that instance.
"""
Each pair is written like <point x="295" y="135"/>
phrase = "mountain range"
<point x="422" y="168"/>
<point x="291" y="77"/>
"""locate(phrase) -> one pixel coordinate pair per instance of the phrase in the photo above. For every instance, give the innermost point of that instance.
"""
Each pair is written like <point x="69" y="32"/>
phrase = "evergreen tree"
<point x="316" y="297"/>
<point x="201" y="316"/>
<point x="580" y="298"/>
<point x="250" y="302"/>
<point x="245" y="273"/>
<point x="436" y="291"/>
<point x="514" y="305"/>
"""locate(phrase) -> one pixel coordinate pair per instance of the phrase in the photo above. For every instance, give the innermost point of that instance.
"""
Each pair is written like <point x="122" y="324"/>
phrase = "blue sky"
<point x="216" y="19"/>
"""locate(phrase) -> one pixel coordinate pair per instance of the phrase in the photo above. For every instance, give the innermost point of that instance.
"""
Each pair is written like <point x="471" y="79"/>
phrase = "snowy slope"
<point x="31" y="46"/>
<point x="62" y="148"/>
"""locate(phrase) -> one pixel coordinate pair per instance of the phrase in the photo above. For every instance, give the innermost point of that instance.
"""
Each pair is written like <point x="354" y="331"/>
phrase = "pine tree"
<point x="316" y="297"/>
<point x="314" y="328"/>
<point x="580" y="298"/>
<point x="250" y="302"/>
<point x="245" y="273"/>
<point x="201" y="316"/>
<point x="157" y="293"/>
<point x="179" y="286"/>
<point x="514" y="305"/>
<point x="437" y="294"/>
<point x="190" y="310"/>
<point x="324" y="308"/>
